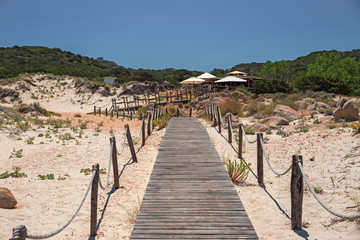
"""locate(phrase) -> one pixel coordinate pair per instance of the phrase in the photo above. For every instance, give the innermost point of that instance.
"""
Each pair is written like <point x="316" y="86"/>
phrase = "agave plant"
<point x="238" y="172"/>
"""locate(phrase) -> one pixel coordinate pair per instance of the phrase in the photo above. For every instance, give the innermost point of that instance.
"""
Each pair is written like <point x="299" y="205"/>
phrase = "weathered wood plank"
<point x="189" y="195"/>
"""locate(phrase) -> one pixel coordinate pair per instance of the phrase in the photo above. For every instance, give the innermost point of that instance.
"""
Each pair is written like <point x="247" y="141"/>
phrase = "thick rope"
<point x="268" y="161"/>
<point x="53" y="233"/>
<point x="249" y="141"/>
<point x="123" y="145"/>
<point x="103" y="187"/>
<point x="138" y="137"/>
<point x="340" y="215"/>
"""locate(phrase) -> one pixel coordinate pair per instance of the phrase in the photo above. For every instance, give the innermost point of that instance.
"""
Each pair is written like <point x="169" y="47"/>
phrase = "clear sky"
<point x="191" y="34"/>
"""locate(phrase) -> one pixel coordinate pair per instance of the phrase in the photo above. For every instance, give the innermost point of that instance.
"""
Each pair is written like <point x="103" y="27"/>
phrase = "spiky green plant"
<point x="238" y="172"/>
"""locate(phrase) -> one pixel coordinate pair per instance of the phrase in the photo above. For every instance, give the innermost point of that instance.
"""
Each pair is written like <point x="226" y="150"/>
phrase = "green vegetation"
<point x="16" y="153"/>
<point x="36" y="59"/>
<point x="86" y="171"/>
<point x="318" y="190"/>
<point x="161" y="122"/>
<point x="30" y="140"/>
<point x="238" y="172"/>
<point x="232" y="106"/>
<point x="15" y="174"/>
<point x="47" y="176"/>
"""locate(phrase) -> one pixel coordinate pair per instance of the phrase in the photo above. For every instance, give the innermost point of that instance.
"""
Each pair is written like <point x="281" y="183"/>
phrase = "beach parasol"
<point x="192" y="80"/>
<point x="230" y="79"/>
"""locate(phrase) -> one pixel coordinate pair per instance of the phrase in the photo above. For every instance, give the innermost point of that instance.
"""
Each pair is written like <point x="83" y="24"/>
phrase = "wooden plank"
<point x="189" y="194"/>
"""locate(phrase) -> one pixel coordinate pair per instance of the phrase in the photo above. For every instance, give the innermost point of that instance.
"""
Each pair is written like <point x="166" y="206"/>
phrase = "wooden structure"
<point x="190" y="195"/>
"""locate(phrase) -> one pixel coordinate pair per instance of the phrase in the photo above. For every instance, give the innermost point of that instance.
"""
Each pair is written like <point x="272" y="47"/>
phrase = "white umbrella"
<point x="206" y="76"/>
<point x="192" y="80"/>
<point x="230" y="79"/>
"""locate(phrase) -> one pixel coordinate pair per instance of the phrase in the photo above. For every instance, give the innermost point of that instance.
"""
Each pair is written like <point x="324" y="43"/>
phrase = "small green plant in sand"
<point x="86" y="171"/>
<point x="269" y="131"/>
<point x="66" y="136"/>
<point x="318" y="190"/>
<point x="47" y="176"/>
<point x="77" y="115"/>
<point x="161" y="122"/>
<point x="15" y="174"/>
<point x="30" y="140"/>
<point x="356" y="127"/>
<point x="59" y="155"/>
<point x="16" y="153"/>
<point x="249" y="131"/>
<point x="238" y="171"/>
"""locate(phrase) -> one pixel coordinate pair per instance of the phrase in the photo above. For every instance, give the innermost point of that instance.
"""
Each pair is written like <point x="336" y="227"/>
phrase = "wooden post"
<point x="167" y="97"/>
<point x="186" y="94"/>
<point x="94" y="198"/>
<point x="106" y="112"/>
<point x="117" y="114"/>
<point x="181" y="97"/>
<point x="124" y="102"/>
<point x="240" y="141"/>
<point x="260" y="159"/>
<point x="211" y="113"/>
<point x="297" y="191"/>
<point x="94" y="110"/>
<point x="115" y="162"/>
<point x="229" y="129"/>
<point x="112" y="113"/>
<point x="177" y="112"/>
<point x="131" y="113"/>
<point x="219" y="118"/>
<point x="149" y="123"/>
<point x="99" y="111"/>
<point x="143" y="130"/>
<point x="190" y="112"/>
<point x="131" y="146"/>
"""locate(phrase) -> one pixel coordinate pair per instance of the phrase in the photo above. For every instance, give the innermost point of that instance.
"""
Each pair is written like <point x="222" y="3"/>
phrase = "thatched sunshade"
<point x="192" y="80"/>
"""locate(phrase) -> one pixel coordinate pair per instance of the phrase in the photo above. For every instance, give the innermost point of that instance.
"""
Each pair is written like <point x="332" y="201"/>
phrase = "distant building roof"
<point x="109" y="79"/>
<point x="237" y="73"/>
<point x="206" y="75"/>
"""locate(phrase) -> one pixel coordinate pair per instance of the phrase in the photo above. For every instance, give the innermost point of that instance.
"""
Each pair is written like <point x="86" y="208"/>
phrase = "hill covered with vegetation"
<point x="36" y="59"/>
<point x="331" y="71"/>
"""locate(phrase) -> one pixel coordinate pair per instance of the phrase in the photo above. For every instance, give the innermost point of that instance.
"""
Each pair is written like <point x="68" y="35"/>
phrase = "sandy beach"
<point x="331" y="161"/>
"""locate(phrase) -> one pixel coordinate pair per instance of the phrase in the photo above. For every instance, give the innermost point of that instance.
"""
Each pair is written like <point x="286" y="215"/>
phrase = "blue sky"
<point x="190" y="34"/>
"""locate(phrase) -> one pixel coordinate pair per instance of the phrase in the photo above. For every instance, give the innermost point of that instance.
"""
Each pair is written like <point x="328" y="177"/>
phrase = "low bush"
<point x="238" y="172"/>
<point x="232" y="106"/>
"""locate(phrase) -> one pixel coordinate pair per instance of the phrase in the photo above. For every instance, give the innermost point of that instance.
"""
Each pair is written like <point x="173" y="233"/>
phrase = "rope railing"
<point x="58" y="230"/>
<point x="340" y="215"/>
<point x="21" y="233"/>
<point x="103" y="187"/>
<point x="268" y="161"/>
<point x="297" y="173"/>
<point x="247" y="139"/>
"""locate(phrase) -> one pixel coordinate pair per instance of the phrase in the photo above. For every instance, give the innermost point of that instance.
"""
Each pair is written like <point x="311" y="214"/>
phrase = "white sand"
<point x="44" y="205"/>
<point x="336" y="154"/>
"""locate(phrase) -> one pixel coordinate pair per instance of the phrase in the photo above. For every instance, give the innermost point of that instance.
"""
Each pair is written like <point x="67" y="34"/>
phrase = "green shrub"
<point x="238" y="172"/>
<point x="249" y="131"/>
<point x="47" y="176"/>
<point x="30" y="140"/>
<point x="16" y="153"/>
<point x="232" y="106"/>
<point x="15" y="174"/>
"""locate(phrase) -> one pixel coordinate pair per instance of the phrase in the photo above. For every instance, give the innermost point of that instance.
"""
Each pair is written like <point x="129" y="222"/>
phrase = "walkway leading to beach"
<point x="189" y="195"/>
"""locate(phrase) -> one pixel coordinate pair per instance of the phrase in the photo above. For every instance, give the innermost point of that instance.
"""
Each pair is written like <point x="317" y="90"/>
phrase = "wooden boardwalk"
<point x="189" y="195"/>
